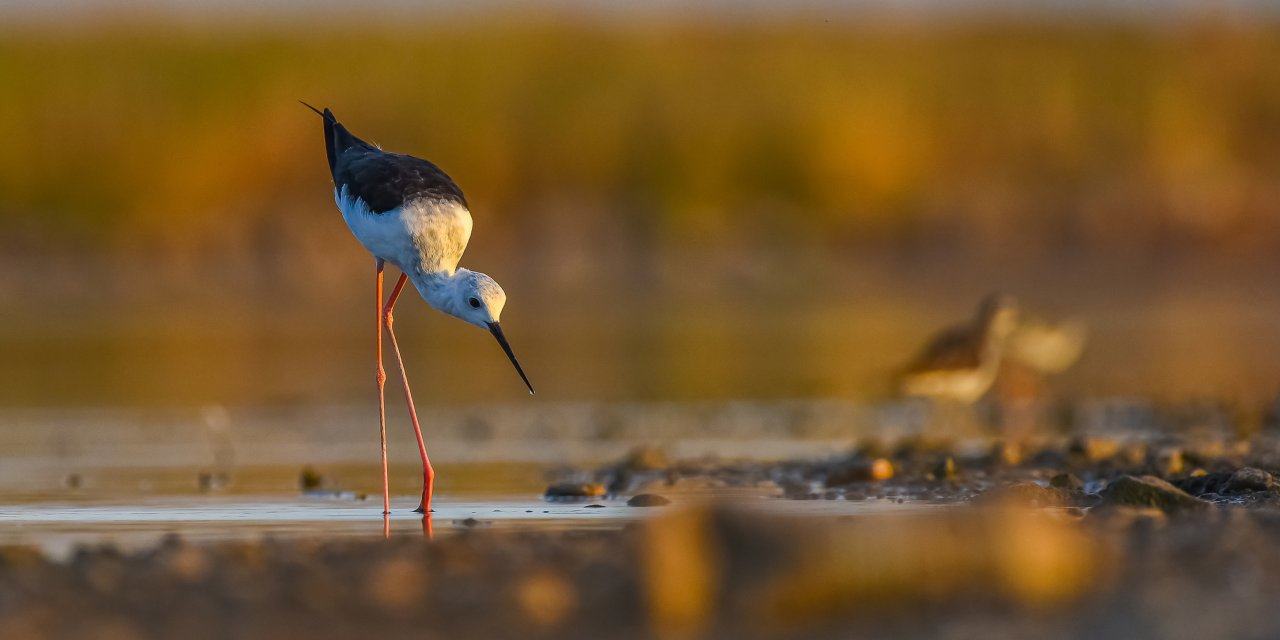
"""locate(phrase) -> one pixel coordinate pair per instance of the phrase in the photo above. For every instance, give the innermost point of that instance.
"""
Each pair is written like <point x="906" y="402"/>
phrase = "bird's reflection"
<point x="428" y="527"/>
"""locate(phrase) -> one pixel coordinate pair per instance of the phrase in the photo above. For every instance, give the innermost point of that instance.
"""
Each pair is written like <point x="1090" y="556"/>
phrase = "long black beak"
<point x="496" y="330"/>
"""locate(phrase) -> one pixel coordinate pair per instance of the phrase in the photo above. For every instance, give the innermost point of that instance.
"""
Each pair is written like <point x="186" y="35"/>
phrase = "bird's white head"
<point x="477" y="299"/>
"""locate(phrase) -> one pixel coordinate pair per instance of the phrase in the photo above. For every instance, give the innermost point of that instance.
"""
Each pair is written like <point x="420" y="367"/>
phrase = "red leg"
<point x="381" y="376"/>
<point x="428" y="474"/>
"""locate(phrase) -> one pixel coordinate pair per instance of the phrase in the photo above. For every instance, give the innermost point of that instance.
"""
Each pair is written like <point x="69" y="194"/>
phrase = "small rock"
<point x="575" y="490"/>
<point x="470" y="522"/>
<point x="1250" y="479"/>
<point x="648" y="500"/>
<point x="310" y="479"/>
<point x="594" y="506"/>
<point x="1150" y="491"/>
<point x="1067" y="481"/>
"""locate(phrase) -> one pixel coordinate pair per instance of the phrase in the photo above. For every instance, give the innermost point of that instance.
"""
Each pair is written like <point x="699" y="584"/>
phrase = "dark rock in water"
<point x="1030" y="494"/>
<point x="310" y="479"/>
<point x="1250" y="479"/>
<point x="575" y="490"/>
<point x="648" y="500"/>
<point x="595" y="506"/>
<point x="1067" y="481"/>
<point x="1150" y="491"/>
<point x="469" y="522"/>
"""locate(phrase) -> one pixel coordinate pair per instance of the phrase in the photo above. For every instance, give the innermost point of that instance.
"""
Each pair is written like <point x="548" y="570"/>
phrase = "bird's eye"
<point x="474" y="302"/>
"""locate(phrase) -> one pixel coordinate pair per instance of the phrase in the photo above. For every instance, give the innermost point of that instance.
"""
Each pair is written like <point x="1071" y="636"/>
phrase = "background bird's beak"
<point x="496" y="330"/>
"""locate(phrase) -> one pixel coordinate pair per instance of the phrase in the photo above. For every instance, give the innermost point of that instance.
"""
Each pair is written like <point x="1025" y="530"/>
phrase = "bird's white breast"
<point x="422" y="235"/>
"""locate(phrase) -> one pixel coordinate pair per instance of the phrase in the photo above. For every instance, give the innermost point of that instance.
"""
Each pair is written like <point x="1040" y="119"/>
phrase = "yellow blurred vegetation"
<point x="181" y="140"/>
<point x="705" y="206"/>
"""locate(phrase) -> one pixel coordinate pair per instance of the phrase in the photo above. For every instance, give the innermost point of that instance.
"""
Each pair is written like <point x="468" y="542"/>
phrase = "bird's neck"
<point x="439" y="289"/>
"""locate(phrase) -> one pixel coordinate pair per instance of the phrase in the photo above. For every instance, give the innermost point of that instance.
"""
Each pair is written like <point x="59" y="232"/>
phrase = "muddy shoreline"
<point x="1083" y="537"/>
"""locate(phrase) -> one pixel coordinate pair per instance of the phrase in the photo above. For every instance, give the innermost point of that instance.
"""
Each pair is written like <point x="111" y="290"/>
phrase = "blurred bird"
<point x="408" y="212"/>
<point x="1046" y="347"/>
<point x="961" y="362"/>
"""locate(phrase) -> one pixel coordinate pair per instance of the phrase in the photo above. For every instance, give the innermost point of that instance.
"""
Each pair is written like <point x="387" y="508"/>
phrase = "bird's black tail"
<point x="336" y="138"/>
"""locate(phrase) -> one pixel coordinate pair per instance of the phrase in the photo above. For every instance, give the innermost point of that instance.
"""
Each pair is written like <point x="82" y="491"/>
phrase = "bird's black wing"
<point x="383" y="180"/>
<point x="953" y="348"/>
<point x="387" y="180"/>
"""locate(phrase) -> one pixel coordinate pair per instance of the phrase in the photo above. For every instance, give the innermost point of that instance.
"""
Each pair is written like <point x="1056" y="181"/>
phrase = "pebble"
<point x="648" y="500"/>
<point x="1250" y="479"/>
<point x="310" y="479"/>
<point x="1150" y="491"/>
<point x="1067" y="481"/>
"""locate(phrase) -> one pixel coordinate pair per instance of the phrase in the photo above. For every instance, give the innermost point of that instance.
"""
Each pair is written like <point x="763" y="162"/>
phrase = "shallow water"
<point x="129" y="478"/>
<point x="57" y="528"/>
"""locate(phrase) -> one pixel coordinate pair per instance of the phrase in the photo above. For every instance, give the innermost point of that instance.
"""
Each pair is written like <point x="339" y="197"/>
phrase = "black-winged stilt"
<point x="408" y="212"/>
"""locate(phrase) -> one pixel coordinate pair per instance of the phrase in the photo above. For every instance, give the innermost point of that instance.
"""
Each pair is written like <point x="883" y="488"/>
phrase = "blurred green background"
<point x="681" y="205"/>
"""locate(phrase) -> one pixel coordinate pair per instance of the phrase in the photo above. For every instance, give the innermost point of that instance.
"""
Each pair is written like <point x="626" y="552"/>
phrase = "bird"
<point x="960" y="363"/>
<point x="409" y="213"/>
<point x="1045" y="346"/>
